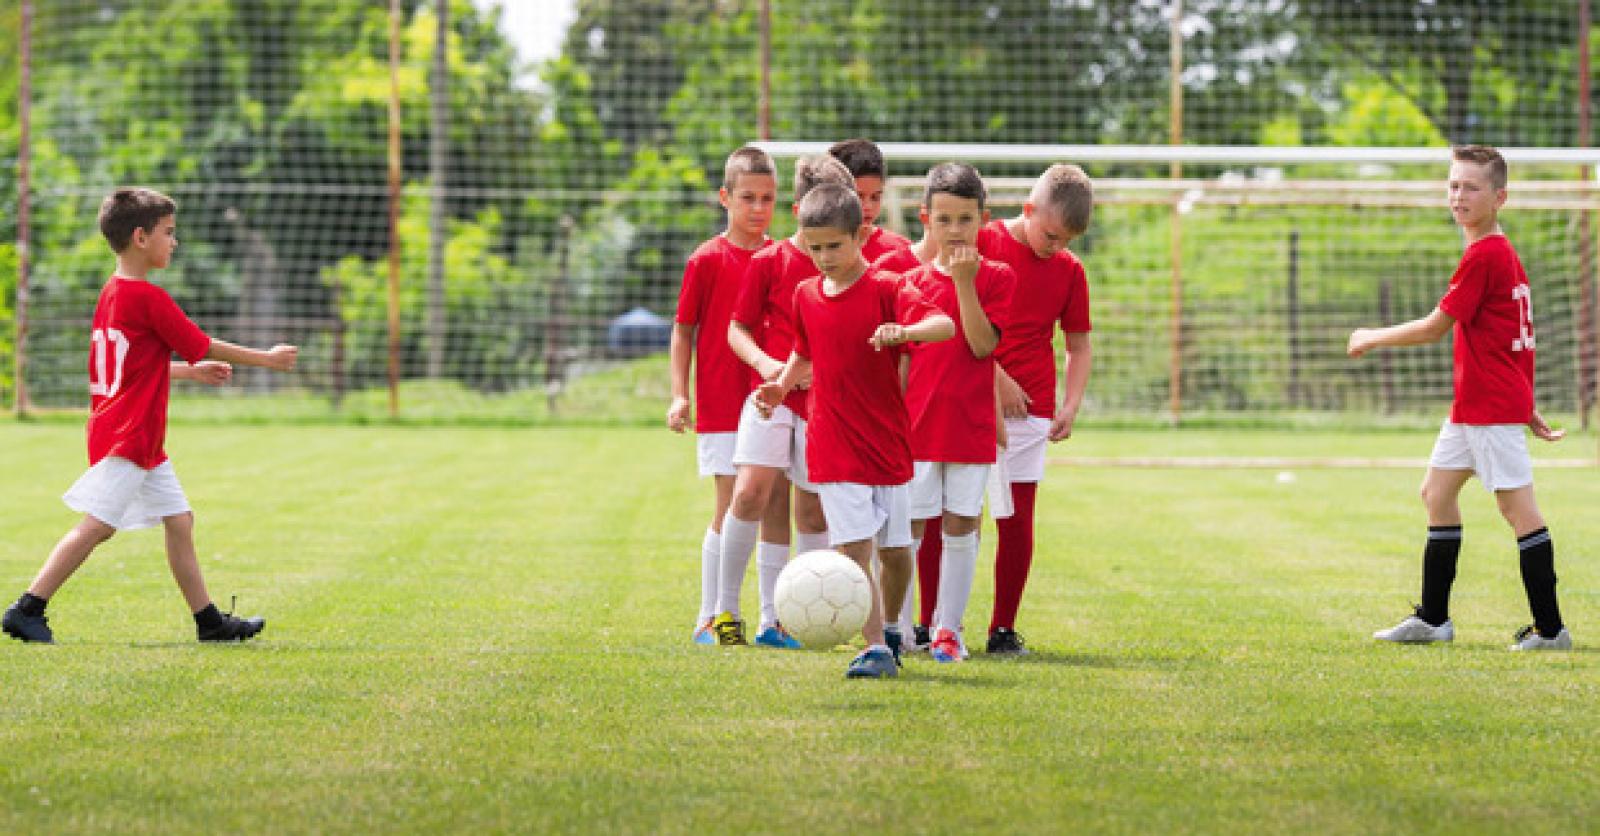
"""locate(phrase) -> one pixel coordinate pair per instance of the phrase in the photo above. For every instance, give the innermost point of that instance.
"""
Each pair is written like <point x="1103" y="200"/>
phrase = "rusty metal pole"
<point x="1175" y="371"/>
<point x="764" y="112"/>
<point x="394" y="208"/>
<point x="24" y="186"/>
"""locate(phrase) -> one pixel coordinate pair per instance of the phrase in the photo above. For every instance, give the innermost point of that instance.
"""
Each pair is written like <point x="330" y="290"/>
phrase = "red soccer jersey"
<point x="1489" y="299"/>
<point x="710" y="286"/>
<point x="881" y="242"/>
<point x="901" y="261"/>
<point x="950" y="391"/>
<point x="1048" y="291"/>
<point x="137" y="327"/>
<point x="766" y="304"/>
<point x="858" y="430"/>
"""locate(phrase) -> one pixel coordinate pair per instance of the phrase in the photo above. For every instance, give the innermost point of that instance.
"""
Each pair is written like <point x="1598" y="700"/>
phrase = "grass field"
<point x="487" y="629"/>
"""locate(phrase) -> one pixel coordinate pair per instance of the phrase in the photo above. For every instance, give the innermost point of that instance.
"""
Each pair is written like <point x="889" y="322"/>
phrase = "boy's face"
<point x="750" y="203"/>
<point x="1473" y="198"/>
<point x="157" y="244"/>
<point x="952" y="220"/>
<point x="832" y="250"/>
<point x="1046" y="233"/>
<point x="870" y="190"/>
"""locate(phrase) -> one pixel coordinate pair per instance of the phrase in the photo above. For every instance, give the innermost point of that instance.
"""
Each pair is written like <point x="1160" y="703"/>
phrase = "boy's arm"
<point x="1542" y="430"/>
<point x="975" y="325"/>
<point x="745" y="348"/>
<point x="930" y="329"/>
<point x="1074" y="380"/>
<point x="1001" y="437"/>
<point x="681" y="354"/>
<point x="770" y="394"/>
<point x="279" y="357"/>
<point x="1429" y="329"/>
<point x="209" y="372"/>
<point x="1014" y="402"/>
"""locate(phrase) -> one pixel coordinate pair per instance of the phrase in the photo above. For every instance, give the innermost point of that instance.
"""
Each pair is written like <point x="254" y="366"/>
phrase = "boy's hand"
<point x="767" y="398"/>
<point x="212" y="372"/>
<point x="1014" y="402"/>
<point x="1061" y="425"/>
<point x="282" y="357"/>
<point x="1001" y="436"/>
<point x="1542" y="430"/>
<point x="678" y="415"/>
<point x="1360" y="342"/>
<point x="963" y="263"/>
<point x="888" y="335"/>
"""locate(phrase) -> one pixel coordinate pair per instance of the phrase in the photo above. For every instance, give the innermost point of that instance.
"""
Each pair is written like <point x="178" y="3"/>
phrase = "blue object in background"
<point x="637" y="333"/>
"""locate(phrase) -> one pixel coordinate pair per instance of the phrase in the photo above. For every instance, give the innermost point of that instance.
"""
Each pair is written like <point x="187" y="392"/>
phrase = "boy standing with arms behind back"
<point x="1490" y="309"/>
<point x="130" y="483"/>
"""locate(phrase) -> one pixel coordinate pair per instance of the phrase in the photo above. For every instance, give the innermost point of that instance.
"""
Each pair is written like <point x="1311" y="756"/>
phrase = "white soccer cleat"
<point x="1529" y="639"/>
<point x="1416" y="631"/>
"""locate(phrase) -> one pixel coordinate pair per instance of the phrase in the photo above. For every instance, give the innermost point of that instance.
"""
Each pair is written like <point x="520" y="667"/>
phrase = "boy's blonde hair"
<point x="1484" y="155"/>
<point x="811" y="172"/>
<point x="128" y="209"/>
<point x="746" y="160"/>
<point x="1066" y="191"/>
<point x="831" y="205"/>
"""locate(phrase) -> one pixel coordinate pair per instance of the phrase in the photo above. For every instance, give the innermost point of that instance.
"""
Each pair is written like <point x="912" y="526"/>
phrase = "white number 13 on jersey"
<point x="1524" y="300"/>
<point x="103" y="342"/>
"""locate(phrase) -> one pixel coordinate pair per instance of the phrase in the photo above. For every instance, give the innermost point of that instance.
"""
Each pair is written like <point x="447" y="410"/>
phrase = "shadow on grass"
<point x="1108" y="661"/>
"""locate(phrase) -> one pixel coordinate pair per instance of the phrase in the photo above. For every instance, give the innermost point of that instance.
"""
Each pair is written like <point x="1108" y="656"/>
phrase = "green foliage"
<point x="1375" y="114"/>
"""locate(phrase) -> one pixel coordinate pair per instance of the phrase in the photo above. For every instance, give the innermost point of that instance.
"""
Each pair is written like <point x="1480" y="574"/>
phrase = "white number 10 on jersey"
<point x="1524" y="300"/>
<point x="103" y="342"/>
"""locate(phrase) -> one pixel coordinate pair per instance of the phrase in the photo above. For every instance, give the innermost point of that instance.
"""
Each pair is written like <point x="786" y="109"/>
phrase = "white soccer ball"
<point x="823" y="598"/>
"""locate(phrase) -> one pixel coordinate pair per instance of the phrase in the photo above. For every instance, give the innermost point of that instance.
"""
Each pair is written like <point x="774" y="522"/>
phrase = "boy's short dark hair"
<point x="831" y="205"/>
<point x="1484" y="155"/>
<point x="1066" y="191"/>
<point x="746" y="160"/>
<point x="861" y="156"/>
<point x="811" y="172"/>
<point x="957" y="179"/>
<point x="125" y="210"/>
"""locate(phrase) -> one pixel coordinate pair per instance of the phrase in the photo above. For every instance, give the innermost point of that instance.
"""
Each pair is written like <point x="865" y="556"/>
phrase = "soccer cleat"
<point x="773" y="635"/>
<point x="1413" y="630"/>
<point x="704" y="634"/>
<point x="1004" y="641"/>
<point x="231" y="629"/>
<point x="28" y="628"/>
<point x="873" y="664"/>
<point x="919" y="638"/>
<point x="1528" y="638"/>
<point x="893" y="639"/>
<point x="946" y="647"/>
<point x="729" y="630"/>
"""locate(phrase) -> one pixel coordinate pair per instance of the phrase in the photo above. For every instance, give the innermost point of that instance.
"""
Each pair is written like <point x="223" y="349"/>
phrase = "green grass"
<point x="487" y="629"/>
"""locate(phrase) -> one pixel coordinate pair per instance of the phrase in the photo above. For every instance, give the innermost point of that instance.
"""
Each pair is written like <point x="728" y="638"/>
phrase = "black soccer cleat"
<point x="1004" y="641"/>
<point x="231" y="629"/>
<point x="34" y="629"/>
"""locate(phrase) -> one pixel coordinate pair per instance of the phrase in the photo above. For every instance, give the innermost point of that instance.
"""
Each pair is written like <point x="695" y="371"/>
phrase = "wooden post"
<point x="1386" y="358"/>
<point x="1175" y="371"/>
<point x="764" y="111"/>
<point x="438" y="162"/>
<point x="394" y="208"/>
<point x="1293" y="304"/>
<point x="24" y="187"/>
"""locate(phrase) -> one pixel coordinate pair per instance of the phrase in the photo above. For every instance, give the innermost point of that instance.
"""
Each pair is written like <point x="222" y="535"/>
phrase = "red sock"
<point x="1013" y="556"/>
<point x="928" y="558"/>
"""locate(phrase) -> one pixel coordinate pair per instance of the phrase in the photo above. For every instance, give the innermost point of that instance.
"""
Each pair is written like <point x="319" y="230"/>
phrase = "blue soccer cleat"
<point x="775" y="636"/>
<point x="873" y="664"/>
<point x="704" y="635"/>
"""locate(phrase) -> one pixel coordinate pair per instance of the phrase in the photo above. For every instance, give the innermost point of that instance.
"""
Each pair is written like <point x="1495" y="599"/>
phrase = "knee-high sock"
<point x="1539" y="581"/>
<point x="710" y="567"/>
<point x="770" y="560"/>
<point x="805" y="541"/>
<point x="738" y="540"/>
<point x="1013" y="556"/>
<point x="928" y="556"/>
<point x="1439" y="571"/>
<point x="960" y="565"/>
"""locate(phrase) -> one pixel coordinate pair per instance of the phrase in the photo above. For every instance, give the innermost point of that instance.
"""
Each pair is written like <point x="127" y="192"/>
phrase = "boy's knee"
<point x="179" y="522"/>
<point x="956" y="525"/>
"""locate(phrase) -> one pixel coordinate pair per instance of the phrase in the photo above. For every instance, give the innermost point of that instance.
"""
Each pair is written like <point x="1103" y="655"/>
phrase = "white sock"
<point x="807" y="542"/>
<point x="738" y="540"/>
<point x="770" y="560"/>
<point x="908" y="610"/>
<point x="956" y="570"/>
<point x="710" y="565"/>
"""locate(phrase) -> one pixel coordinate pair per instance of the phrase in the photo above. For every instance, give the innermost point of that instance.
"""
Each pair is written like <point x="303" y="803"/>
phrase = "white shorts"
<point x="1027" y="441"/>
<point x="867" y="512"/>
<point x="1497" y="453"/>
<point x="714" y="452"/>
<point x="125" y="496"/>
<point x="948" y="486"/>
<point x="779" y="441"/>
<point x="1001" y="504"/>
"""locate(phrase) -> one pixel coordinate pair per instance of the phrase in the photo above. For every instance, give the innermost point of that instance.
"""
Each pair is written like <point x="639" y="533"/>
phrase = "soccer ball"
<point x="823" y="598"/>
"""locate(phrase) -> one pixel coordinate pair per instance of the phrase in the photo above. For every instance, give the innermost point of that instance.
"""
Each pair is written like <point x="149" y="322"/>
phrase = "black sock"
<point x="1539" y="580"/>
<point x="31" y="605"/>
<point x="208" y="617"/>
<point x="1439" y="572"/>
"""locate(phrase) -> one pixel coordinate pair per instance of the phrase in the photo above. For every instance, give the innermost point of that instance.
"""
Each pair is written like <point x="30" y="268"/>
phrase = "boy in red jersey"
<point x="1051" y="290"/>
<point x="950" y="393"/>
<point x="866" y="164"/>
<point x="858" y="434"/>
<point x="130" y="483"/>
<point x="711" y="282"/>
<point x="770" y="451"/>
<point x="1490" y="310"/>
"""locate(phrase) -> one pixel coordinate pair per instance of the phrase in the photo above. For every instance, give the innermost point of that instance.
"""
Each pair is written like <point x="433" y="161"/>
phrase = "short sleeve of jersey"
<point x="692" y="295"/>
<point x="1467" y="287"/>
<point x="996" y="300"/>
<point x="802" y="345"/>
<point x="1075" y="313"/>
<point x="752" y="293"/>
<point x="176" y="329"/>
<point x="910" y="306"/>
